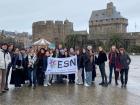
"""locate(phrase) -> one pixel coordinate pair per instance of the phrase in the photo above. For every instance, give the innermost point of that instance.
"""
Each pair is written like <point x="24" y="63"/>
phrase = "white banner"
<point x="62" y="65"/>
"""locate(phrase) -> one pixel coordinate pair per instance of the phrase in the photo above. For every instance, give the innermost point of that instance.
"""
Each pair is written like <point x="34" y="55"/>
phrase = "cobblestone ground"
<point x="68" y="94"/>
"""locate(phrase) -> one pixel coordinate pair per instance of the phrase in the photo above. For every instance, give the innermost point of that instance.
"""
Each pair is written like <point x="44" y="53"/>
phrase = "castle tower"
<point x="37" y="30"/>
<point x="68" y="27"/>
<point x="110" y="9"/>
<point x="107" y="21"/>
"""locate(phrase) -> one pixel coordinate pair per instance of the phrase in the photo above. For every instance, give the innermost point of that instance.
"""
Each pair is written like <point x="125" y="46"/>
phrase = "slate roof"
<point x="102" y="14"/>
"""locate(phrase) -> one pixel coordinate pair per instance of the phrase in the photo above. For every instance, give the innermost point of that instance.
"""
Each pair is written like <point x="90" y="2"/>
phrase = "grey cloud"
<point x="19" y="14"/>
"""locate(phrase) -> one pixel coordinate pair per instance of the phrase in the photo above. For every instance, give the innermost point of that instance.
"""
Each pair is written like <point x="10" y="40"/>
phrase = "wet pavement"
<point x="69" y="94"/>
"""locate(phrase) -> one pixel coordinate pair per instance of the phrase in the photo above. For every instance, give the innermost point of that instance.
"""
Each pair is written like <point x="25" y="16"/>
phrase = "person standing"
<point x="71" y="76"/>
<point x="60" y="55"/>
<point x="39" y="65"/>
<point x="5" y="60"/>
<point x="94" y="62"/>
<point x="112" y="64"/>
<point x="17" y="69"/>
<point x="25" y="65"/>
<point x="55" y="55"/>
<point x="52" y="77"/>
<point x="82" y="63"/>
<point x="66" y="54"/>
<point x="102" y="58"/>
<point x="125" y="62"/>
<point x="45" y="63"/>
<point x="88" y="67"/>
<point x="11" y="52"/>
<point x="31" y="68"/>
<point x="79" y="64"/>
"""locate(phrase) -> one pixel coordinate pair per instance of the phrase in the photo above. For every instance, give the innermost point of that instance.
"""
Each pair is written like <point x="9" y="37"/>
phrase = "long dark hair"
<point x="39" y="54"/>
<point x="10" y="46"/>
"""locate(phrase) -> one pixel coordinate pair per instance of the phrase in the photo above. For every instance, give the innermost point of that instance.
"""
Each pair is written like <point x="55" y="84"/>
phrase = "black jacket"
<point x="102" y="58"/>
<point x="125" y="61"/>
<point x="89" y="66"/>
<point x="79" y="61"/>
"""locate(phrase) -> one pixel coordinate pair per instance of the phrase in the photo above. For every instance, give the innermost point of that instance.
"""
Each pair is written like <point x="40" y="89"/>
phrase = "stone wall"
<point x="51" y="31"/>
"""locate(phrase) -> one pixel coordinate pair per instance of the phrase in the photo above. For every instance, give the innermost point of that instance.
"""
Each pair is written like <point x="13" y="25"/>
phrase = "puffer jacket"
<point x="5" y="59"/>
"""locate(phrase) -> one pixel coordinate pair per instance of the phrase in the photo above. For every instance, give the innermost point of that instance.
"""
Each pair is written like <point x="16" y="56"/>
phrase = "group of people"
<point x="29" y="66"/>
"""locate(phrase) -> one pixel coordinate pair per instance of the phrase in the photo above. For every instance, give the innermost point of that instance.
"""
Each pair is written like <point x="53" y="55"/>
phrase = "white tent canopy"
<point x="42" y="42"/>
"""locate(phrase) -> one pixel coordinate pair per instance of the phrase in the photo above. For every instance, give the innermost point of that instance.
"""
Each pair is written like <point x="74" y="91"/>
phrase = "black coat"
<point x="40" y="70"/>
<point x="79" y="61"/>
<point x="89" y="66"/>
<point x="25" y="62"/>
<point x="83" y="56"/>
<point x="102" y="58"/>
<point x="17" y="72"/>
<point x="125" y="61"/>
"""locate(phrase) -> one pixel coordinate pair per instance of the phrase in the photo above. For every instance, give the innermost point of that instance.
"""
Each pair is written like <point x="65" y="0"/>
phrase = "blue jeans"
<point x="32" y="76"/>
<point x="111" y="67"/>
<point x="88" y="78"/>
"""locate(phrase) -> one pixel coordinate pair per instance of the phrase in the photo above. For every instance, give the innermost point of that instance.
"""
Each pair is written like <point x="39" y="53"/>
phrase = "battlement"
<point x="58" y="22"/>
<point x="39" y="23"/>
<point x="51" y="22"/>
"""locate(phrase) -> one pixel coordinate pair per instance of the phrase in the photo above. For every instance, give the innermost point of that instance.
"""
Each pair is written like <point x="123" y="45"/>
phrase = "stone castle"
<point x="52" y="31"/>
<point x="107" y="21"/>
<point x="102" y="24"/>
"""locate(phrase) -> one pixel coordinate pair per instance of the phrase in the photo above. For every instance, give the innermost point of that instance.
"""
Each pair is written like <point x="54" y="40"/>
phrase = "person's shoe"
<point x="117" y="84"/>
<point x="6" y="89"/>
<point x="53" y="81"/>
<point x="70" y="81"/>
<point x="80" y="83"/>
<point x="109" y="83"/>
<point x="125" y="86"/>
<point x="105" y="84"/>
<point x="77" y="83"/>
<point x="102" y="83"/>
<point x="45" y="85"/>
<point x="49" y="84"/>
<point x="86" y="85"/>
<point x="18" y="87"/>
<point x="122" y="86"/>
<point x="34" y="86"/>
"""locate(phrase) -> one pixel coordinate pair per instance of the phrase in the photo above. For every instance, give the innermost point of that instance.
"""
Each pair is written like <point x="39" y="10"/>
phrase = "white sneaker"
<point x="81" y="83"/>
<point x="86" y="85"/>
<point x="45" y="85"/>
<point x="53" y="81"/>
<point x="49" y="84"/>
<point x="78" y="83"/>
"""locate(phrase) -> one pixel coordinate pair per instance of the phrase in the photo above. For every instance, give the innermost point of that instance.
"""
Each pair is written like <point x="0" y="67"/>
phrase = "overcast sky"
<point x="18" y="15"/>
